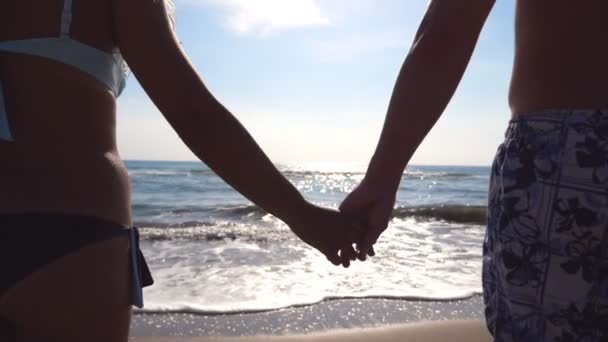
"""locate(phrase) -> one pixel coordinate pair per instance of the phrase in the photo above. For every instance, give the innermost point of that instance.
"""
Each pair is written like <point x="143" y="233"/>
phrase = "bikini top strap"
<point x="66" y="18"/>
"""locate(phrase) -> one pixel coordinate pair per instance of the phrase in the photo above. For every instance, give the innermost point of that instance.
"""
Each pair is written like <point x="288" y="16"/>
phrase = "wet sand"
<point x="437" y="331"/>
<point x="340" y="320"/>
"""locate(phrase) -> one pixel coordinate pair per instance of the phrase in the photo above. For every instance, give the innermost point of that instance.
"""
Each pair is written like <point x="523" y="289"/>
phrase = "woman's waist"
<point x="89" y="186"/>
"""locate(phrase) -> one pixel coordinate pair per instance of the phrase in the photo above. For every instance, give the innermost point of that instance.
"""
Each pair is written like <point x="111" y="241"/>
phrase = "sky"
<point x="311" y="80"/>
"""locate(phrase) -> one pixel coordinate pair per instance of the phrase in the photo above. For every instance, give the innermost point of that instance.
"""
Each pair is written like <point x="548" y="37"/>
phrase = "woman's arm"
<point x="428" y="79"/>
<point x="146" y="39"/>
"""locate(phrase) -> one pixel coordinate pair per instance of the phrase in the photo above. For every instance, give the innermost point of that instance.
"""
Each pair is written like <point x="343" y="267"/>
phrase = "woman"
<point x="69" y="266"/>
<point x="545" y="256"/>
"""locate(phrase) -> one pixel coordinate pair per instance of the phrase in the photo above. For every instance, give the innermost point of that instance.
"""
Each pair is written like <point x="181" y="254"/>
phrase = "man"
<point x="545" y="249"/>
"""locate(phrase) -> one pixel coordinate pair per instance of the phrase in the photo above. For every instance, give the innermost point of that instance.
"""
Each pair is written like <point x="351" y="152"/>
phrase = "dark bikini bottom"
<point x="29" y="242"/>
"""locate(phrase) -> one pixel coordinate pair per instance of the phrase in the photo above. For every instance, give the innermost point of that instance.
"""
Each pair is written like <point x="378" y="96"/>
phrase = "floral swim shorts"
<point x="545" y="257"/>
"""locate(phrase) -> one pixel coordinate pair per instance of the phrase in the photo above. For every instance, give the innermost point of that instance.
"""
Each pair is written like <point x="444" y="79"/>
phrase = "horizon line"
<point x="304" y="162"/>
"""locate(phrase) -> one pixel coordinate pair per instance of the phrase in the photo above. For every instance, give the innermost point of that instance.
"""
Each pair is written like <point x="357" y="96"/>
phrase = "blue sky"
<point x="311" y="80"/>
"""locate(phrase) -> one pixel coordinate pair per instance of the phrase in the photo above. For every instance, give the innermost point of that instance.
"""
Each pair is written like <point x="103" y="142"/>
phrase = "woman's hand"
<point x="328" y="231"/>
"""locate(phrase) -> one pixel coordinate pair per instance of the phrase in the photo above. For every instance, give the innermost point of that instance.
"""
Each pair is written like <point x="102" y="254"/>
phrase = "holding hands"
<point x="328" y="231"/>
<point x="363" y="216"/>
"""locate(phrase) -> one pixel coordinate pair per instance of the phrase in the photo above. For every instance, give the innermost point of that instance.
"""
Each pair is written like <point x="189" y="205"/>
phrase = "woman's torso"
<point x="561" y="55"/>
<point x="64" y="157"/>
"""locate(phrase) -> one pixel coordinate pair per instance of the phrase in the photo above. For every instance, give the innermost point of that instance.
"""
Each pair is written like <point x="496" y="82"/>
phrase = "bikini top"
<point x="108" y="68"/>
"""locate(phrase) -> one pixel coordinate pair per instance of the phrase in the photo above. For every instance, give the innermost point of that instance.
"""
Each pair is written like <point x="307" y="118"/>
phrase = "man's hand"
<point x="328" y="231"/>
<point x="372" y="207"/>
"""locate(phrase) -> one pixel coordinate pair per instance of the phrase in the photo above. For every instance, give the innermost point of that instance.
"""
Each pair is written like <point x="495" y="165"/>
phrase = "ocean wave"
<point x="189" y="172"/>
<point x="153" y="308"/>
<point x="201" y="171"/>
<point x="207" y="231"/>
<point x="174" y="225"/>
<point x="450" y="213"/>
<point x="233" y="211"/>
<point x="252" y="214"/>
<point x="435" y="175"/>
<point x="245" y="211"/>
<point x="186" y="172"/>
<point x="157" y="173"/>
<point x="298" y="173"/>
<point x="406" y="175"/>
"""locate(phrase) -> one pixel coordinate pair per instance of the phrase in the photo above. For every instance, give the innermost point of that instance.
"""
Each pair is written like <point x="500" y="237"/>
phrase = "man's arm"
<point x="428" y="79"/>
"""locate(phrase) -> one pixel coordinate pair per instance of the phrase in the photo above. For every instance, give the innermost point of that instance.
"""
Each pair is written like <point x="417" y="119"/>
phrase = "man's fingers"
<point x="369" y="240"/>
<point x="378" y="224"/>
<point x="361" y="256"/>
<point x="355" y="236"/>
<point x="348" y="252"/>
<point x="364" y="247"/>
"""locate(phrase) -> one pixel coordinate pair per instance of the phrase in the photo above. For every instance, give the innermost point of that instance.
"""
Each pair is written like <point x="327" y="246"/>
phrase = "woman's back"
<point x="72" y="268"/>
<point x="64" y="156"/>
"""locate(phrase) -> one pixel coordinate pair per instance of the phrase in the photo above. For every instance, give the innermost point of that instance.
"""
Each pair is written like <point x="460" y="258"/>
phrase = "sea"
<point x="211" y="251"/>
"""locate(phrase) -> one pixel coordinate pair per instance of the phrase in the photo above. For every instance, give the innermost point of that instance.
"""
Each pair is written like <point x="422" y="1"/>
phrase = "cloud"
<point x="263" y="17"/>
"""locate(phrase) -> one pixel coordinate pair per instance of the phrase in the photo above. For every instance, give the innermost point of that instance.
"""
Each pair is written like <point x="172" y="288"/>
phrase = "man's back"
<point x="561" y="55"/>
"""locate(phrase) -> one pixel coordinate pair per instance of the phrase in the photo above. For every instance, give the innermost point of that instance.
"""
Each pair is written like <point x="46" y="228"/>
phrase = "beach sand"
<point x="437" y="331"/>
<point x="340" y="320"/>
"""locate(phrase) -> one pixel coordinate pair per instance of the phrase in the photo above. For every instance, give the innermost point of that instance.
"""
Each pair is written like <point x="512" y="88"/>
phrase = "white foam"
<point x="416" y="260"/>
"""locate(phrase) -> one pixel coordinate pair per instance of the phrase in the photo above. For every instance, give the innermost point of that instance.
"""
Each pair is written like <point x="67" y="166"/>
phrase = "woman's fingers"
<point x="334" y="258"/>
